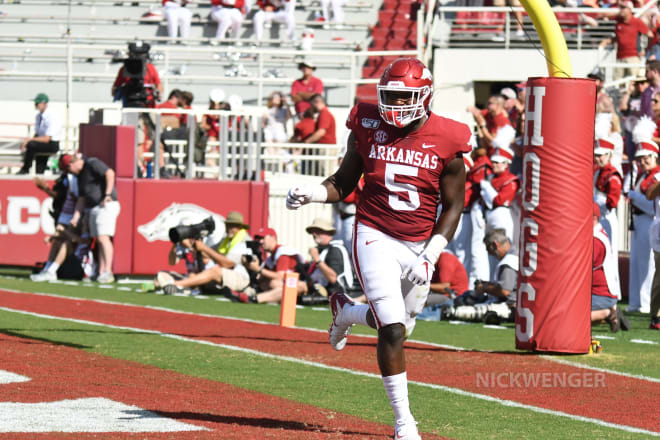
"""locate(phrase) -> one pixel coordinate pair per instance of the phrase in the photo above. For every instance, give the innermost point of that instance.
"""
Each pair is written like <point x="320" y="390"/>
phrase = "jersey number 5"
<point x="391" y="171"/>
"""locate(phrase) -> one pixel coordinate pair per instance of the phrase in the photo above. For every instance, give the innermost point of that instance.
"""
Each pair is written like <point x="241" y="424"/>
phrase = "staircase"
<point x="396" y="29"/>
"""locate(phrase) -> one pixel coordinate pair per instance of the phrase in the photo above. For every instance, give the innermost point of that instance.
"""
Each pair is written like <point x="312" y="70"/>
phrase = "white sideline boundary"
<point x="456" y="391"/>
<point x="415" y="341"/>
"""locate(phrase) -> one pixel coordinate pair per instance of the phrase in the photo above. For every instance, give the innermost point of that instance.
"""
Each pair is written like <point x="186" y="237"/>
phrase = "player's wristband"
<point x="435" y="246"/>
<point x="319" y="194"/>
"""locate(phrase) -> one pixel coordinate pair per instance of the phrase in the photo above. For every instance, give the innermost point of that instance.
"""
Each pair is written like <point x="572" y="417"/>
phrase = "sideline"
<point x="456" y="391"/>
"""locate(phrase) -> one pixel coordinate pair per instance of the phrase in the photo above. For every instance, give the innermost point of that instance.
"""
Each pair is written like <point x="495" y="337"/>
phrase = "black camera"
<point x="255" y="247"/>
<point x="199" y="230"/>
<point x="134" y="93"/>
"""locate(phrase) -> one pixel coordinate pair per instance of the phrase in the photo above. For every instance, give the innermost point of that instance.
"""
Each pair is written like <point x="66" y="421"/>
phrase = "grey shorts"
<point x="601" y="302"/>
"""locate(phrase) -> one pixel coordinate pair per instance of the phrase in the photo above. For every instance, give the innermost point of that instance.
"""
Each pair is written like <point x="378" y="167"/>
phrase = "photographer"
<point x="330" y="267"/>
<point x="281" y="259"/>
<point x="137" y="83"/>
<point x="494" y="300"/>
<point x="186" y="251"/>
<point x="228" y="273"/>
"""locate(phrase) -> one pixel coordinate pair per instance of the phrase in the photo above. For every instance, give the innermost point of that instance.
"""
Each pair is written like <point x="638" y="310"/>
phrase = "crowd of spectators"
<point x="625" y="150"/>
<point x="230" y="14"/>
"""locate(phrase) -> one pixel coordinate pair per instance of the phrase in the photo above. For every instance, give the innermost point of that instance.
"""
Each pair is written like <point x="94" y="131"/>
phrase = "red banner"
<point x="148" y="209"/>
<point x="162" y="204"/>
<point x="556" y="229"/>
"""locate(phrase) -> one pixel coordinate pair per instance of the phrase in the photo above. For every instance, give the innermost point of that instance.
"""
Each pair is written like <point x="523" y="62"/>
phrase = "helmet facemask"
<point x="403" y="115"/>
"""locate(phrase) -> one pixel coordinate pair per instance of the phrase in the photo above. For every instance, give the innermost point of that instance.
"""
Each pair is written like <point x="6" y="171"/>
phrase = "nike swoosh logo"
<point x="427" y="146"/>
<point x="369" y="242"/>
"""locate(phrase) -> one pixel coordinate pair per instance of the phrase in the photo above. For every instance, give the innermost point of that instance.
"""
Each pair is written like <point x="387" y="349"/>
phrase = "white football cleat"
<point x="406" y="431"/>
<point x="339" y="329"/>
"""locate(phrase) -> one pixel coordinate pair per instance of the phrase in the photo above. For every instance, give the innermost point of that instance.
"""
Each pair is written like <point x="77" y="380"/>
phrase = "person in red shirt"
<point x="628" y="27"/>
<point x="449" y="278"/>
<point x="304" y="88"/>
<point x="271" y="274"/>
<point x="324" y="131"/>
<point x="490" y="120"/>
<point x="411" y="160"/>
<point x="605" y="289"/>
<point x="124" y="86"/>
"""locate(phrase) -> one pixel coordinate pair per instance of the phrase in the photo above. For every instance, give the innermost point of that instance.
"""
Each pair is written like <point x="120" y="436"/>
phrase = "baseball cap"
<point x="41" y="97"/>
<point x="306" y="64"/>
<point x="521" y="85"/>
<point x="64" y="162"/>
<point x="320" y="224"/>
<point x="508" y="92"/>
<point x="262" y="232"/>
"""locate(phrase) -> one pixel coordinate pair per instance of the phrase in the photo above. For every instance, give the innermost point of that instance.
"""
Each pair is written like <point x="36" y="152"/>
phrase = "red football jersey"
<point x="402" y="173"/>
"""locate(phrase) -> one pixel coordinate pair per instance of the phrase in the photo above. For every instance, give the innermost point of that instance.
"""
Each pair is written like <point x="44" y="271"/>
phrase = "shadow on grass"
<point x="262" y="422"/>
<point x="29" y="339"/>
<point x="35" y="340"/>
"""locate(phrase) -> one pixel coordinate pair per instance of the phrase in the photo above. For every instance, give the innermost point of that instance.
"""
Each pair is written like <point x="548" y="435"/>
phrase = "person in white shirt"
<point x="47" y="134"/>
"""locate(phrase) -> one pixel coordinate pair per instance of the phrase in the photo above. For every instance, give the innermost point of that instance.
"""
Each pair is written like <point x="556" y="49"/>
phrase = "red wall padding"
<point x="556" y="233"/>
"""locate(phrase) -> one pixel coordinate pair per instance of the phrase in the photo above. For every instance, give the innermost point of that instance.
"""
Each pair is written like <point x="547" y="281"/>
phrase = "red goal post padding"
<point x="556" y="229"/>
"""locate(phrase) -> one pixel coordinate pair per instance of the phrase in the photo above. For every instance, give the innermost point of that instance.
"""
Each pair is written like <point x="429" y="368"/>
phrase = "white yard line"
<point x="430" y="344"/>
<point x="456" y="391"/>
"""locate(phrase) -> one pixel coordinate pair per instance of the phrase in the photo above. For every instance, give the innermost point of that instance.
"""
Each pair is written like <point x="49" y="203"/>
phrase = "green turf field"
<point x="438" y="411"/>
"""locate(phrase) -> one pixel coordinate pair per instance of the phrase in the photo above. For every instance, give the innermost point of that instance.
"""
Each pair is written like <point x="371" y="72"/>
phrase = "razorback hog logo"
<point x="180" y="214"/>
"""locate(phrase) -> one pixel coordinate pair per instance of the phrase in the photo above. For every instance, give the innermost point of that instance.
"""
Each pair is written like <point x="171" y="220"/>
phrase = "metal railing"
<point x="495" y="27"/>
<point x="241" y="154"/>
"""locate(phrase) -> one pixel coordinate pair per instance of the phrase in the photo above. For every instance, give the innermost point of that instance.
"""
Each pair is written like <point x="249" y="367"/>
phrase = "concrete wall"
<point x="455" y="72"/>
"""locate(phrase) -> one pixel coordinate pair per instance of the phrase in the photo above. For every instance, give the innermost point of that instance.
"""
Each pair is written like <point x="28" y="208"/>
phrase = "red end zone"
<point x="59" y="373"/>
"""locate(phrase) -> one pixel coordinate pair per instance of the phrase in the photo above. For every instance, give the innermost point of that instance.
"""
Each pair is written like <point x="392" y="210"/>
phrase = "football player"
<point x="412" y="161"/>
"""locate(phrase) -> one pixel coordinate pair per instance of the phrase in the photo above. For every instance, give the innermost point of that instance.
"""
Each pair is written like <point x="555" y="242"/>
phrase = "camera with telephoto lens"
<point x="134" y="93"/>
<point x="199" y="230"/>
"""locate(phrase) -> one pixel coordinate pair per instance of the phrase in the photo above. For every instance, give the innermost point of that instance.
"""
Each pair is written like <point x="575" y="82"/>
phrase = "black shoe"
<point x="164" y="173"/>
<point x="613" y="320"/>
<point x="22" y="171"/>
<point x="624" y="323"/>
